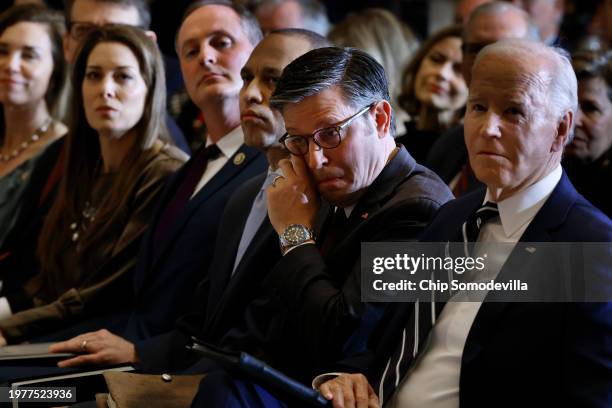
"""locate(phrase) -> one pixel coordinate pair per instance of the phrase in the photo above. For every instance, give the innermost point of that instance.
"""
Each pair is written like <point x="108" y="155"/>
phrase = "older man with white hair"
<point x="548" y="16"/>
<point x="520" y="115"/>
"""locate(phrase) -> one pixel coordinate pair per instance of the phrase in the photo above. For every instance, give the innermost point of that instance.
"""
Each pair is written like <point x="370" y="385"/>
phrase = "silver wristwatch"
<point x="295" y="234"/>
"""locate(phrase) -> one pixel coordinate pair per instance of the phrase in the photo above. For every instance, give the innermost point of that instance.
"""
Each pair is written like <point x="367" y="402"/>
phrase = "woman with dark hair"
<point x="433" y="92"/>
<point x="115" y="169"/>
<point x="32" y="80"/>
<point x="588" y="158"/>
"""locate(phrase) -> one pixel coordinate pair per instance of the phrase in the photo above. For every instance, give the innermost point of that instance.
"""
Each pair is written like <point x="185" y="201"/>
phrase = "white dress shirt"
<point x="433" y="381"/>
<point x="229" y="145"/>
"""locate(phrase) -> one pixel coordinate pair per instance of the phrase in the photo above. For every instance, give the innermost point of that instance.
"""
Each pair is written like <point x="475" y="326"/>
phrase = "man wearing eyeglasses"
<point x="82" y="16"/>
<point x="339" y="123"/>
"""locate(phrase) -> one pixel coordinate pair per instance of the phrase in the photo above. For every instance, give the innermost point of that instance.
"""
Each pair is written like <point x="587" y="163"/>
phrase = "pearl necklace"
<point x="35" y="137"/>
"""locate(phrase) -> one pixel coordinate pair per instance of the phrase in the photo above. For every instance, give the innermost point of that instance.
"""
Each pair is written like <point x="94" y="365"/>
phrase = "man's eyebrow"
<point x="196" y="38"/>
<point x="188" y="42"/>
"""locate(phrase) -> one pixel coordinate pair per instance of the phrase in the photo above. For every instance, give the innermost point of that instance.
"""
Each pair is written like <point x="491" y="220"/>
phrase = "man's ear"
<point x="383" y="114"/>
<point x="151" y="35"/>
<point x="564" y="128"/>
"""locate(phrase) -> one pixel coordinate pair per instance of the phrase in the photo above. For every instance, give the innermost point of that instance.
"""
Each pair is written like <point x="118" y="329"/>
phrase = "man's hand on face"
<point x="350" y="391"/>
<point x="96" y="348"/>
<point x="292" y="199"/>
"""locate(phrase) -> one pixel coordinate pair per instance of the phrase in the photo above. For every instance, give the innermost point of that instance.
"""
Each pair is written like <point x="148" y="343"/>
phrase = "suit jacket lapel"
<point x="553" y="213"/>
<point x="223" y="270"/>
<point x="227" y="172"/>
<point x="146" y="254"/>
<point x="264" y="234"/>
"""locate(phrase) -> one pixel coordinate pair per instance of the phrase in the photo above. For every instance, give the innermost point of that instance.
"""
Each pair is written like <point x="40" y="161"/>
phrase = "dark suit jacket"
<point x="313" y="304"/>
<point x="448" y="155"/>
<point x="18" y="252"/>
<point x="216" y="309"/>
<point x="165" y="282"/>
<point x="524" y="354"/>
<point x="230" y="294"/>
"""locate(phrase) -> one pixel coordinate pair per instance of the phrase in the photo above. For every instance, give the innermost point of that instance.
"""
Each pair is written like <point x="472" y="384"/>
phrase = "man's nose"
<point x="208" y="55"/>
<point x="316" y="155"/>
<point x="491" y="126"/>
<point x="252" y="93"/>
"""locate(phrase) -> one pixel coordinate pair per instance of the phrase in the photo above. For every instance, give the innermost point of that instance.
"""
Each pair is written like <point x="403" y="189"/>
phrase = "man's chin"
<point x="255" y="138"/>
<point x="214" y="94"/>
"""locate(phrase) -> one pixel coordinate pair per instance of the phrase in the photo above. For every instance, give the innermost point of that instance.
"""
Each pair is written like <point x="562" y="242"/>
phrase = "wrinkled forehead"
<point x="276" y="51"/>
<point x="207" y="20"/>
<point x="323" y="109"/>
<point x="491" y="28"/>
<point x="510" y="73"/>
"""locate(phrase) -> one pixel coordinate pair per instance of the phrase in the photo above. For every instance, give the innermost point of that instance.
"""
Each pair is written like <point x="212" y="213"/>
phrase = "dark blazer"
<point x="18" y="252"/>
<point x="313" y="303"/>
<point x="230" y="294"/>
<point x="524" y="354"/>
<point x="448" y="155"/>
<point x="165" y="282"/>
<point x="217" y="309"/>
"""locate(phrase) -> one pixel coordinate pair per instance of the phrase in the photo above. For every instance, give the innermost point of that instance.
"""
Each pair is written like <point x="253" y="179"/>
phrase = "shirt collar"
<point x="520" y="208"/>
<point x="348" y="210"/>
<point x="230" y="143"/>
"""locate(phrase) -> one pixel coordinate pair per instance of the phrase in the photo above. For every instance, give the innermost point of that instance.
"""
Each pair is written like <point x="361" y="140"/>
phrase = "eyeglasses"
<point x="79" y="30"/>
<point x="325" y="138"/>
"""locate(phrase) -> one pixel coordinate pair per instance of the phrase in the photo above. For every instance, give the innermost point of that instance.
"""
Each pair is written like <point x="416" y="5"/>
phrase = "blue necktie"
<point x="256" y="217"/>
<point x="471" y="227"/>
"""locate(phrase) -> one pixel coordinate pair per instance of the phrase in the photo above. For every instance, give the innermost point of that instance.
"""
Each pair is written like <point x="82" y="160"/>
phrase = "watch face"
<point x="296" y="234"/>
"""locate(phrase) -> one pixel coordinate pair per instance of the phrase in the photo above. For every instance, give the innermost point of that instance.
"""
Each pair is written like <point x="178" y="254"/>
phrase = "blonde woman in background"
<point x="391" y="42"/>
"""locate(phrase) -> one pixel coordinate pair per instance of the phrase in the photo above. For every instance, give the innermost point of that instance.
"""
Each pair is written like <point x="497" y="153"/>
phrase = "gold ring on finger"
<point x="276" y="179"/>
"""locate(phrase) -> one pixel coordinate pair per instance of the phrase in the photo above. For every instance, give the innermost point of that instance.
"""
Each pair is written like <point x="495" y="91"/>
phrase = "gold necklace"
<point x="24" y="145"/>
<point x="88" y="215"/>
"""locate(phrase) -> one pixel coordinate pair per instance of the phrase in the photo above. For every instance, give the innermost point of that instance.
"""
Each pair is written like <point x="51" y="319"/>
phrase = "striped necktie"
<point x="471" y="227"/>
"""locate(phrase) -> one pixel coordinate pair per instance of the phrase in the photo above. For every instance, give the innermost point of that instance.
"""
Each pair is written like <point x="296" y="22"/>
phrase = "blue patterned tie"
<point x="471" y="227"/>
